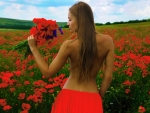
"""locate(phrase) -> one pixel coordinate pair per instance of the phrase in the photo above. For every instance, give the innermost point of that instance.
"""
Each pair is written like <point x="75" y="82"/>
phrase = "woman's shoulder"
<point x="69" y="43"/>
<point x="104" y="38"/>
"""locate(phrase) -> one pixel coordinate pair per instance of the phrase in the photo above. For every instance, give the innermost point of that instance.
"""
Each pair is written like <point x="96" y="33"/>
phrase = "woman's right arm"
<point x="109" y="67"/>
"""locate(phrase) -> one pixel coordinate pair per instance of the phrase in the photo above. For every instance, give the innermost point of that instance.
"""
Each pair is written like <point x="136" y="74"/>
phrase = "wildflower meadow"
<point x="23" y="88"/>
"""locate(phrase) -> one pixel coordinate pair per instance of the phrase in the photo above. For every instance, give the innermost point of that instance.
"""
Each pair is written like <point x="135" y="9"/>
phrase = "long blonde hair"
<point x="86" y="34"/>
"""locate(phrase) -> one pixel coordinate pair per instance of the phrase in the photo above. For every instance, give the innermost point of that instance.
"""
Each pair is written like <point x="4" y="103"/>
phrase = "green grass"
<point x="6" y="21"/>
<point x="126" y="25"/>
<point x="16" y="23"/>
<point x="12" y="22"/>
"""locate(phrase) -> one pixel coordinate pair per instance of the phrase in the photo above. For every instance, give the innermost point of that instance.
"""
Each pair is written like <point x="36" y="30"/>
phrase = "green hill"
<point x="20" y="24"/>
<point x="27" y="24"/>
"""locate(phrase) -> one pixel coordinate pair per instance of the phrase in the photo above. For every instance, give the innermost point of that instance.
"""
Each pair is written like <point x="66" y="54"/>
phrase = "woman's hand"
<point x="32" y="42"/>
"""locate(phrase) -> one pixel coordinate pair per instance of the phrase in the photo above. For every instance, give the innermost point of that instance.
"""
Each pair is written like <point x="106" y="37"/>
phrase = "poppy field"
<point x="23" y="89"/>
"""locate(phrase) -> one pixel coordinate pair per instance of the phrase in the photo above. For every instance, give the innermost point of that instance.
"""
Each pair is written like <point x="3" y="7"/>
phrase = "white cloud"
<point x="145" y="12"/>
<point x="52" y="9"/>
<point x="104" y="10"/>
<point x="2" y="3"/>
<point x="12" y="0"/>
<point x="18" y="11"/>
<point x="139" y="9"/>
<point x="110" y="11"/>
<point x="121" y="10"/>
<point x="59" y="13"/>
<point x="33" y="1"/>
<point x="87" y="1"/>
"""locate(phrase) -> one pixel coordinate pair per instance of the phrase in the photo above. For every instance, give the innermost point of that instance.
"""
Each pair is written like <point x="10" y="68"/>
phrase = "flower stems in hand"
<point x="20" y="47"/>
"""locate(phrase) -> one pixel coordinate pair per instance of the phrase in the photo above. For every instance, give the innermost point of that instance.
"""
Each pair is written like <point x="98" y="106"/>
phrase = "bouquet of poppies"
<point x="44" y="31"/>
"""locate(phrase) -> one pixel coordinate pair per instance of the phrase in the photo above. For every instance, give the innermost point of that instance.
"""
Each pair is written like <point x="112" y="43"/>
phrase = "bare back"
<point x="103" y="47"/>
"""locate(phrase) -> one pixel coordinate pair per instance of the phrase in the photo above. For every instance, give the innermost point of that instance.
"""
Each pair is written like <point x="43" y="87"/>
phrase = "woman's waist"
<point x="90" y="86"/>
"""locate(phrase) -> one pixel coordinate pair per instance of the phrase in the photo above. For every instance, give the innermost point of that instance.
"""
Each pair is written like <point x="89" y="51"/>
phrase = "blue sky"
<point x="104" y="10"/>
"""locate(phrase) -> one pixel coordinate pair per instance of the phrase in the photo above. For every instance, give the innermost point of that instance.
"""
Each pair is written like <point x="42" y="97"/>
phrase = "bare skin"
<point x="70" y="50"/>
<point x="104" y="45"/>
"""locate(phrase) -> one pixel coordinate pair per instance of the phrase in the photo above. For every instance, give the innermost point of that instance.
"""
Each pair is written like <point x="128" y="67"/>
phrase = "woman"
<point x="87" y="53"/>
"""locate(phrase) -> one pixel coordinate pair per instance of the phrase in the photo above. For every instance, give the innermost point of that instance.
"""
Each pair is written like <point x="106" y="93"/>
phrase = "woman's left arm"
<point x="56" y="64"/>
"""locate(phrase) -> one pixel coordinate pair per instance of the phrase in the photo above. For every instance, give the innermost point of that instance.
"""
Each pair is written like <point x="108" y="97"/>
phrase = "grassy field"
<point x="23" y="87"/>
<point x="13" y="22"/>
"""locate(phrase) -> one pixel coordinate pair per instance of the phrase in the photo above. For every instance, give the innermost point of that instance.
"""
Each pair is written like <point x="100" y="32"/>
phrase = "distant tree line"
<point x="65" y="26"/>
<point x="22" y="25"/>
<point x="121" y="22"/>
<point x="16" y="26"/>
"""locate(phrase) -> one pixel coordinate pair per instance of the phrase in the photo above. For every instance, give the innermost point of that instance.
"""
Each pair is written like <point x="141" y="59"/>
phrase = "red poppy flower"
<point x="30" y="97"/>
<point x="127" y="83"/>
<point x="5" y="79"/>
<point x="37" y="98"/>
<point x="50" y="80"/>
<point x="56" y="79"/>
<point x="17" y="73"/>
<point x="49" y="86"/>
<point x="61" y="75"/>
<point x="8" y="74"/>
<point x="141" y="109"/>
<point x="51" y="91"/>
<point x="7" y="107"/>
<point x="21" y="96"/>
<point x="3" y="85"/>
<point x="3" y="102"/>
<point x="12" y="89"/>
<point x="26" y="106"/>
<point x="149" y="92"/>
<point x="127" y="91"/>
<point x="39" y="83"/>
<point x="26" y="82"/>
<point x="43" y="90"/>
<point x="43" y="31"/>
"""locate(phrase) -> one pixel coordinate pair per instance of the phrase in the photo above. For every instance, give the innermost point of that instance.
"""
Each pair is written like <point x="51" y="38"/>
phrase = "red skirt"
<point x="73" y="101"/>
